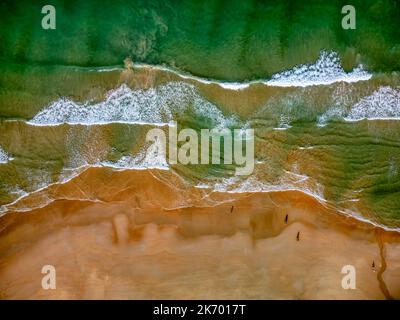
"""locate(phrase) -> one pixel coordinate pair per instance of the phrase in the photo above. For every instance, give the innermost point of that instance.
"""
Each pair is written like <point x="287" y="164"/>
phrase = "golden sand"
<point x="150" y="236"/>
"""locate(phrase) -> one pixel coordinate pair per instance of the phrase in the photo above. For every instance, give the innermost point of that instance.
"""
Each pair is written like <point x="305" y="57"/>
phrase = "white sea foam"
<point x="336" y="112"/>
<point x="187" y="76"/>
<point x="65" y="177"/>
<point x="227" y="185"/>
<point x="284" y="123"/>
<point x="383" y="104"/>
<point x="225" y="85"/>
<point x="154" y="157"/>
<point x="155" y="106"/>
<point x="4" y="156"/>
<point x="306" y="148"/>
<point x="252" y="184"/>
<point x="326" y="70"/>
<point x="290" y="180"/>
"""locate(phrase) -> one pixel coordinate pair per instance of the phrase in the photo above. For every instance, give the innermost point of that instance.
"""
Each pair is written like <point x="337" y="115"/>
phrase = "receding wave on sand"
<point x="145" y="161"/>
<point x="189" y="231"/>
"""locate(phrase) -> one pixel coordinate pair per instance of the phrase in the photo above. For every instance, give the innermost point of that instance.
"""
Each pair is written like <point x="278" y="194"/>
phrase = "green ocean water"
<point x="232" y="40"/>
<point x="354" y="165"/>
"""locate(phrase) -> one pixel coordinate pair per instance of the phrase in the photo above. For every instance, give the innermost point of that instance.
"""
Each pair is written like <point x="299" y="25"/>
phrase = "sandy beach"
<point x="169" y="241"/>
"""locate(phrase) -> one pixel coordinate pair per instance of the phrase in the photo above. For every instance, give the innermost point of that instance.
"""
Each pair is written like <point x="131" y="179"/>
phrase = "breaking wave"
<point x="155" y="106"/>
<point x="326" y="70"/>
<point x="4" y="156"/>
<point x="382" y="104"/>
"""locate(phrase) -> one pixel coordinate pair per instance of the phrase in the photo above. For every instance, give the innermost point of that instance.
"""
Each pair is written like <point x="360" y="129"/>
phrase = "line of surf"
<point x="326" y="70"/>
<point x="242" y="189"/>
<point x="154" y="106"/>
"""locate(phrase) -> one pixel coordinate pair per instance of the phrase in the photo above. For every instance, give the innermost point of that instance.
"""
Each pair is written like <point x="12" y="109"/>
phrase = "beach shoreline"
<point x="169" y="241"/>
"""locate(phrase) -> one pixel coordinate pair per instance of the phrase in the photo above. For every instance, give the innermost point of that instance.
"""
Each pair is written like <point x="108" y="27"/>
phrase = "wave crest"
<point x="156" y="106"/>
<point x="384" y="103"/>
<point x="326" y="70"/>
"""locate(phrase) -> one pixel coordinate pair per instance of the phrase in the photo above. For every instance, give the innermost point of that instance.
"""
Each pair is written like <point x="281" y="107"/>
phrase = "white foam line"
<point x="46" y="203"/>
<point x="88" y="124"/>
<point x="4" y="207"/>
<point x="133" y="167"/>
<point x="288" y="78"/>
<point x="325" y="71"/>
<point x="347" y="119"/>
<point x="187" y="76"/>
<point x="262" y="188"/>
<point x="79" y="170"/>
<point x="320" y="199"/>
<point x="358" y="217"/>
<point x="306" y="148"/>
<point x="109" y="69"/>
<point x="308" y="83"/>
<point x="101" y="69"/>
<point x="281" y="189"/>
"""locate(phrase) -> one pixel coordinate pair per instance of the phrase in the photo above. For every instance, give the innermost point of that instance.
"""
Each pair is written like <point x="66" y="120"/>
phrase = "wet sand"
<point x="150" y="236"/>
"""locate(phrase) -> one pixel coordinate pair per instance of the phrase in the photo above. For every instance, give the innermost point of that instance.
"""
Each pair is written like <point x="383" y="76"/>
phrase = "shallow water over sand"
<point x="336" y="142"/>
